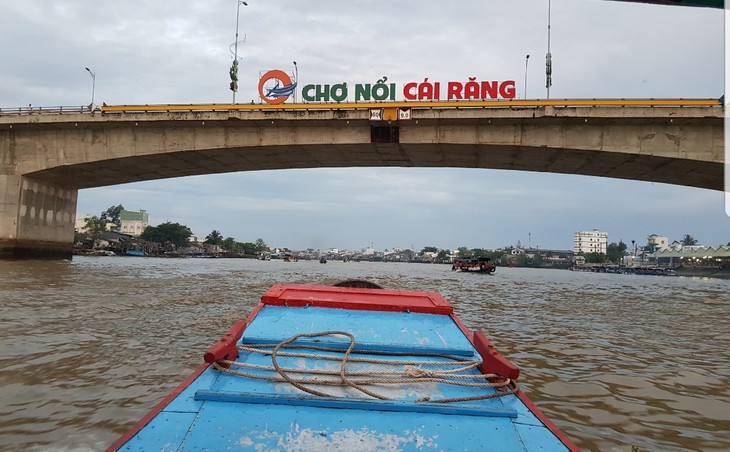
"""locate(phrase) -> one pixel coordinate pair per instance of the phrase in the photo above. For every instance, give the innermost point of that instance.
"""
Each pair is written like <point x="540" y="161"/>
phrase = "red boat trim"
<point x="226" y="347"/>
<point x="547" y="422"/>
<point x="492" y="361"/>
<point x="157" y="409"/>
<point x="170" y="397"/>
<point x="521" y="395"/>
<point x="356" y="299"/>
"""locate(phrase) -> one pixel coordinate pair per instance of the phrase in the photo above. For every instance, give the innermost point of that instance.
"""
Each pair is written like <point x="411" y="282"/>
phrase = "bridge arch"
<point x="47" y="158"/>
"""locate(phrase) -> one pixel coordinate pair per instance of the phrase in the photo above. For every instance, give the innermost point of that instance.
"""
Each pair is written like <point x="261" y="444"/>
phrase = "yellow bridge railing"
<point x="421" y="105"/>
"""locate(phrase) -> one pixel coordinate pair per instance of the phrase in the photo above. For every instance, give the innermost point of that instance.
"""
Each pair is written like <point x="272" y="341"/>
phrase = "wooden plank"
<point x="296" y="295"/>
<point x="377" y="330"/>
<point x="354" y="404"/>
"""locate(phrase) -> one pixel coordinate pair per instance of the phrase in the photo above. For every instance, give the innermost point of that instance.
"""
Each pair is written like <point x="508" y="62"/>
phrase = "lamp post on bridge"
<point x="234" y="66"/>
<point x="93" y="86"/>
<point x="527" y="59"/>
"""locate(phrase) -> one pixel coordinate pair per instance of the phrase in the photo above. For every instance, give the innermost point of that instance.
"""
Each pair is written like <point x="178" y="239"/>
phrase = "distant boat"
<point x="475" y="265"/>
<point x="322" y="260"/>
<point x="349" y="368"/>
<point x="135" y="252"/>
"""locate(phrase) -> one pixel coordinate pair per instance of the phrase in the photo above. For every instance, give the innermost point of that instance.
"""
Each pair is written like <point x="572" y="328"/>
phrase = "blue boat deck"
<point x="221" y="411"/>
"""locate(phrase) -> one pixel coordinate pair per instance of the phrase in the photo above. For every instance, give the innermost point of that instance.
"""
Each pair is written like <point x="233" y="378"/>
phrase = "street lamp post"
<point x="296" y="79"/>
<point x="234" y="67"/>
<point x="527" y="59"/>
<point x="93" y="86"/>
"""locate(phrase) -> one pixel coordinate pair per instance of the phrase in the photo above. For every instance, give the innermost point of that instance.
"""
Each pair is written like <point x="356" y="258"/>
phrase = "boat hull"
<point x="217" y="408"/>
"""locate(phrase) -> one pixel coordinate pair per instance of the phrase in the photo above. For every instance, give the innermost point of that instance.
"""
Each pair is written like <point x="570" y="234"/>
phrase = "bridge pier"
<point x="36" y="219"/>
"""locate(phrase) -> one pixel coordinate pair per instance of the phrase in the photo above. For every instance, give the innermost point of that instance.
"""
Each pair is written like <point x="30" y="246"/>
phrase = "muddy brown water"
<point x="89" y="346"/>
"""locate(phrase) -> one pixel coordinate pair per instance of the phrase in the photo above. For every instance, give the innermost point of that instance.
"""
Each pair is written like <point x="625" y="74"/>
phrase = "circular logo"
<point x="282" y="89"/>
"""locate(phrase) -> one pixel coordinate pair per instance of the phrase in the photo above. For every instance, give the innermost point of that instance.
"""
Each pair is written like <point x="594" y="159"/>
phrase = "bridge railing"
<point x="61" y="109"/>
<point x="501" y="103"/>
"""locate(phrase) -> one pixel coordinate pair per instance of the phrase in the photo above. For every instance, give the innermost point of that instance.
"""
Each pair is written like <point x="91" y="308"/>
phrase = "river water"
<point x="89" y="346"/>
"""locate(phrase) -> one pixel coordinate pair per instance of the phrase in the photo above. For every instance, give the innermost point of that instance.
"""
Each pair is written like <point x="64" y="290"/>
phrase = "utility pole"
<point x="234" y="67"/>
<point x="548" y="60"/>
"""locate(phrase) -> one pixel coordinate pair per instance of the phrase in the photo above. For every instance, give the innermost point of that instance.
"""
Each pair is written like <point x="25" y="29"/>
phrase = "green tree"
<point x="595" y="258"/>
<point x="442" y="255"/>
<point x="248" y="248"/>
<point x="230" y="244"/>
<point x="175" y="233"/>
<point x="615" y="252"/>
<point x="519" y="260"/>
<point x="94" y="227"/>
<point x="112" y="215"/>
<point x="688" y="240"/>
<point x="214" y="238"/>
<point x="260" y="244"/>
<point x="538" y="260"/>
<point x="479" y="252"/>
<point x="429" y="249"/>
<point x="464" y="252"/>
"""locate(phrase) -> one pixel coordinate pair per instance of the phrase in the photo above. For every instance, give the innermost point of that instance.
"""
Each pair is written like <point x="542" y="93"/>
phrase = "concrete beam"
<point x="45" y="159"/>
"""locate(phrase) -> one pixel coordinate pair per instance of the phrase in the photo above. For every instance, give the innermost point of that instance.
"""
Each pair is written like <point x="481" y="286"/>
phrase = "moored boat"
<point x="324" y="367"/>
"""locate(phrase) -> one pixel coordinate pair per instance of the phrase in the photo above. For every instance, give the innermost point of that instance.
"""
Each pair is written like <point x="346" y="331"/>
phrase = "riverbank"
<point x="703" y="272"/>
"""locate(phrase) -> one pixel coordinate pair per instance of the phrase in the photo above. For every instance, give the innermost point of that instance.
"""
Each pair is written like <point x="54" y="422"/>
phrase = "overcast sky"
<point x="179" y="52"/>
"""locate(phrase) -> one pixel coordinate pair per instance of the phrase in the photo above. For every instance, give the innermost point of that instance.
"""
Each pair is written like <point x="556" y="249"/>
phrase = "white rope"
<point x="412" y="372"/>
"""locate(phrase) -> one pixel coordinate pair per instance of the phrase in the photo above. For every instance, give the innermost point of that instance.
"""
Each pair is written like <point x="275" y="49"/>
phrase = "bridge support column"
<point x="36" y="219"/>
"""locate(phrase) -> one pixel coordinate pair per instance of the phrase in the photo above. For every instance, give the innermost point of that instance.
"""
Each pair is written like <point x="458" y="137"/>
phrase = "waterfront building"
<point x="658" y="242"/>
<point x="594" y="241"/>
<point x="80" y="223"/>
<point x="133" y="223"/>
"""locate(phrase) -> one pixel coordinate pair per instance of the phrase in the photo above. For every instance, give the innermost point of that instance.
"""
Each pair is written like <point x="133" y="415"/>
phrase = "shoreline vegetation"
<point x="102" y="236"/>
<point x="703" y="271"/>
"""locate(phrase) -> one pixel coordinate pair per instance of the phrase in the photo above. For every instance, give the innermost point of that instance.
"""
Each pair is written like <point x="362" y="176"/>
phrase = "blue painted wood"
<point x="270" y="415"/>
<point x="382" y="330"/>
<point x="366" y="347"/>
<point x="226" y="426"/>
<point x="165" y="432"/>
<point x="356" y="404"/>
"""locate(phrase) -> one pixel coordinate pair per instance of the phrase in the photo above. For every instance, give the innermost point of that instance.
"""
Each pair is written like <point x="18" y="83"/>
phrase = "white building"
<point x="594" y="241"/>
<point x="658" y="242"/>
<point x="133" y="223"/>
<point x="80" y="223"/>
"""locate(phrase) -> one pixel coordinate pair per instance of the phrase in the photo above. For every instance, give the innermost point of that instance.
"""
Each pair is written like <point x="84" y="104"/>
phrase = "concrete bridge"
<point x="45" y="158"/>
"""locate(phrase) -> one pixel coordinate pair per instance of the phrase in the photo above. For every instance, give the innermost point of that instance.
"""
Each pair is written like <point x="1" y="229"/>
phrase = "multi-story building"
<point x="594" y="241"/>
<point x="80" y="223"/>
<point x="658" y="242"/>
<point x="133" y="223"/>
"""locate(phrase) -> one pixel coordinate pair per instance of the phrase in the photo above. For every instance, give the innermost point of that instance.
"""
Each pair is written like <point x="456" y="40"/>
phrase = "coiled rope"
<point x="412" y="372"/>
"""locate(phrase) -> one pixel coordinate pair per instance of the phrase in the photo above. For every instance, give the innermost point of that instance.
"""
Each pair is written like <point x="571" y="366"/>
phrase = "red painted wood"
<point x="226" y="347"/>
<point x="492" y="361"/>
<point x="295" y="295"/>
<point x="485" y="348"/>
<point x="547" y="422"/>
<point x="236" y="330"/>
<point x="159" y="407"/>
